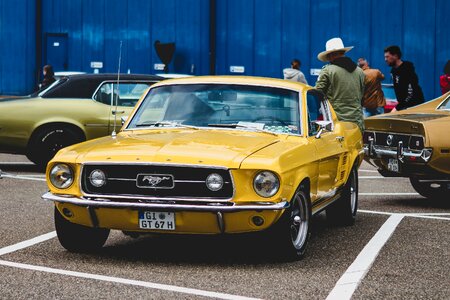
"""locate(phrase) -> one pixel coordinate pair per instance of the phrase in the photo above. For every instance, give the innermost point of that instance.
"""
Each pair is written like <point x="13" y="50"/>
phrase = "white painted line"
<point x="21" y="177"/>
<point x="347" y="284"/>
<point x="25" y="163"/>
<point x="27" y="243"/>
<point x="388" y="194"/>
<point x="372" y="177"/>
<point x="369" y="171"/>
<point x="375" y="212"/>
<point x="428" y="217"/>
<point x="158" y="286"/>
<point x="434" y="216"/>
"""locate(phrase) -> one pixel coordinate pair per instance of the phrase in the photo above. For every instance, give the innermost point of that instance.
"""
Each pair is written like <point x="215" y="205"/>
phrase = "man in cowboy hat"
<point x="342" y="82"/>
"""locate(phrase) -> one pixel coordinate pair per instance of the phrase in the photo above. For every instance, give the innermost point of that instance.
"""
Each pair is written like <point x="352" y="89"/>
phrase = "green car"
<point x="73" y="109"/>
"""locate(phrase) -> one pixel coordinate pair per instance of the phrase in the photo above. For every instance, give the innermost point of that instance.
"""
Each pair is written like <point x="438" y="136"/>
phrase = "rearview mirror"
<point x="323" y="126"/>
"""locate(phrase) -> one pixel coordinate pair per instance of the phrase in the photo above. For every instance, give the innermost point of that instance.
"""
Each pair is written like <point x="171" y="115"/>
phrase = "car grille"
<point x="391" y="140"/>
<point x="156" y="181"/>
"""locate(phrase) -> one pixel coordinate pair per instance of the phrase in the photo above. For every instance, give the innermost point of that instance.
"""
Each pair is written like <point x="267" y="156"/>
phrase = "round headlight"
<point x="61" y="176"/>
<point x="214" y="182"/>
<point x="266" y="184"/>
<point x="97" y="178"/>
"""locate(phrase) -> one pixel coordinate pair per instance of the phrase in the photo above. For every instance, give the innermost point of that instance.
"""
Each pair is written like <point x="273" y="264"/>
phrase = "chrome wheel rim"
<point x="353" y="191"/>
<point x="298" y="223"/>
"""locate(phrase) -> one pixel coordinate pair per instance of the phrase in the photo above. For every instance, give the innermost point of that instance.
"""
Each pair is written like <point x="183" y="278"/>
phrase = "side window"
<point x="318" y="111"/>
<point x="104" y="94"/>
<point x="126" y="93"/>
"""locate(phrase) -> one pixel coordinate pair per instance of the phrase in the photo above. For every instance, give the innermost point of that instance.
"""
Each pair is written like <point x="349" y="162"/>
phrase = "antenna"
<point x="114" y="134"/>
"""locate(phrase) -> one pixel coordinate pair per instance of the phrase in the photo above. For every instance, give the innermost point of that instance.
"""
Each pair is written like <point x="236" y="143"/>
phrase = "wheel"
<point x="47" y="141"/>
<point x="343" y="211"/>
<point x="272" y="119"/>
<point x="291" y="233"/>
<point x="79" y="238"/>
<point x="429" y="189"/>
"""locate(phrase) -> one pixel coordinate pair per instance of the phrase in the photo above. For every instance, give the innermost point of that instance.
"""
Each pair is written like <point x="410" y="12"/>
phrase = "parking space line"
<point x="372" y="177"/>
<point x="158" y="286"/>
<point x="434" y="216"/>
<point x="368" y="171"/>
<point x="388" y="194"/>
<point x="27" y="243"/>
<point x="22" y="163"/>
<point x="21" y="177"/>
<point x="349" y="281"/>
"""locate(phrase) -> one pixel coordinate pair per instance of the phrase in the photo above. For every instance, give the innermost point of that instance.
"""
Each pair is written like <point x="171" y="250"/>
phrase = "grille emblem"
<point x="155" y="181"/>
<point x="389" y="139"/>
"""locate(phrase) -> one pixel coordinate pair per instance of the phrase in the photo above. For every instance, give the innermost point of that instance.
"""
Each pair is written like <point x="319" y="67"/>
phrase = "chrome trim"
<point x="214" y="207"/>
<point x="399" y="153"/>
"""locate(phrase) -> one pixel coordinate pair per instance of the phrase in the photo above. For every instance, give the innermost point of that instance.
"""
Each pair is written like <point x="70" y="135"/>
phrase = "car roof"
<point x="84" y="85"/>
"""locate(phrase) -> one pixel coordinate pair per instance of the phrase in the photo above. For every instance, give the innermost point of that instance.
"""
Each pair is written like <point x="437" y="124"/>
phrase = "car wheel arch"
<point x="44" y="126"/>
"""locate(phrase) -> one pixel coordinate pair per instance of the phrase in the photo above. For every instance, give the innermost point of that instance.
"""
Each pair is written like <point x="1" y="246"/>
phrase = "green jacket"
<point x="344" y="89"/>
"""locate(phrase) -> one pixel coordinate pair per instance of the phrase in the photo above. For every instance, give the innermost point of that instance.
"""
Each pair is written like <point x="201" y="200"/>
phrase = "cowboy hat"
<point x="333" y="45"/>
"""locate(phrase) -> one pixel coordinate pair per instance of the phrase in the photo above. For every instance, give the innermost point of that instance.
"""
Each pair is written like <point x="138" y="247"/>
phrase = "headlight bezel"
<point x="90" y="177"/>
<point x="216" y="176"/>
<point x="56" y="176"/>
<point x="258" y="184"/>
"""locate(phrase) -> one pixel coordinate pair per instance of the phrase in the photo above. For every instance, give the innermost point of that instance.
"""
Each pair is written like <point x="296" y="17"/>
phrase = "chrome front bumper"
<point x="207" y="207"/>
<point x="401" y="153"/>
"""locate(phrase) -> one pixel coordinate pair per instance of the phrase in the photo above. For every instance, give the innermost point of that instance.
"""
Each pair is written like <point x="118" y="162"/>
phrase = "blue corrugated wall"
<point x="262" y="36"/>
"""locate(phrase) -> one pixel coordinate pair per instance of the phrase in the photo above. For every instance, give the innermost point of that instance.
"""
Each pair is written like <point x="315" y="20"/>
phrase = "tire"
<point x="429" y="189"/>
<point x="292" y="231"/>
<point x="45" y="142"/>
<point x="343" y="211"/>
<point x="79" y="238"/>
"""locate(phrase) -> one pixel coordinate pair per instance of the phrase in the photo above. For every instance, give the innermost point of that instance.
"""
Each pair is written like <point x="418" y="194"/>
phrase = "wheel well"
<point x="305" y="185"/>
<point x="75" y="128"/>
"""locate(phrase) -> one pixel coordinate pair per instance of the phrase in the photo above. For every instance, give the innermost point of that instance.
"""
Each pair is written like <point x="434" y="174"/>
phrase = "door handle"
<point x="340" y="139"/>
<point x="117" y="112"/>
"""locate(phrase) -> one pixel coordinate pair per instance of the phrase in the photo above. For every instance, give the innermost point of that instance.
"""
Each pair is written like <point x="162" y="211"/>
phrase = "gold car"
<point x="413" y="143"/>
<point x="73" y="109"/>
<point x="211" y="155"/>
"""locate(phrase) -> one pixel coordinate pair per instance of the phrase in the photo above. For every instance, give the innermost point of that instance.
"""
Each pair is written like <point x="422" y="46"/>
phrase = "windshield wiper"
<point x="164" y="123"/>
<point x="235" y="125"/>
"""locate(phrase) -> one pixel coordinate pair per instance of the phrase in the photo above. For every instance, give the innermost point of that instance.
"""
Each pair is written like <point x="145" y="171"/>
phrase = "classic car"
<point x="211" y="155"/>
<point x="73" y="109"/>
<point x="413" y="143"/>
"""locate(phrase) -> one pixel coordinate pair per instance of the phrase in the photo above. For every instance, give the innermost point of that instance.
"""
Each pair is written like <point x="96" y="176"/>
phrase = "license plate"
<point x="157" y="220"/>
<point x="393" y="165"/>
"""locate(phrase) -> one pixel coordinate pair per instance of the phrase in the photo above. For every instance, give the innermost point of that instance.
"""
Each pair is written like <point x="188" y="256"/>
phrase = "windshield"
<point x="220" y="105"/>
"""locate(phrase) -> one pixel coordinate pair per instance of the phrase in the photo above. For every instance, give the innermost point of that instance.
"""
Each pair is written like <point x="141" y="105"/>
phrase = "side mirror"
<point x="123" y="119"/>
<point x="324" y="126"/>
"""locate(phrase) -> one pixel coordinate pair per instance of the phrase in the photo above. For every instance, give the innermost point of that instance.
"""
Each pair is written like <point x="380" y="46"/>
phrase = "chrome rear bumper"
<point x="401" y="153"/>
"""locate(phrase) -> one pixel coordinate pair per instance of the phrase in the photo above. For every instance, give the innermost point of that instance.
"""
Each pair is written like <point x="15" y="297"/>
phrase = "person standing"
<point x="406" y="82"/>
<point x="444" y="80"/>
<point x="373" y="100"/>
<point x="49" y="77"/>
<point x="342" y="82"/>
<point x="293" y="73"/>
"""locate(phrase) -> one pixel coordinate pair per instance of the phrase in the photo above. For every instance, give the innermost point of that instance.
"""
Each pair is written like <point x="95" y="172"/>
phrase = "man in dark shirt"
<point x="406" y="83"/>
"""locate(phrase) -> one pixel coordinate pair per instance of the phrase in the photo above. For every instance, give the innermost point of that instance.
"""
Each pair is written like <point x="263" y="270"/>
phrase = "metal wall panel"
<point x="17" y="67"/>
<point x="258" y="37"/>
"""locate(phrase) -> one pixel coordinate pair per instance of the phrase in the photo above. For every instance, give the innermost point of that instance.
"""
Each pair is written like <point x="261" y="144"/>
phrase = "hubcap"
<point x="353" y="192"/>
<point x="298" y="223"/>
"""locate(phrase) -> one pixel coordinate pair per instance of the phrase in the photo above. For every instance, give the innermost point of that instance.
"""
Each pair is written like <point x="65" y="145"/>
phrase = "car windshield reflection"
<point x="238" y="107"/>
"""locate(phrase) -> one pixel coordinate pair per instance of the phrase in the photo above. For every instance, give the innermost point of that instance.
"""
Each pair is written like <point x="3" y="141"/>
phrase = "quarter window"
<point x="123" y="94"/>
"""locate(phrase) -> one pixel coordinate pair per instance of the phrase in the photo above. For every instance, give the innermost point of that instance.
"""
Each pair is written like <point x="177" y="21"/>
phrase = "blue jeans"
<point x="368" y="112"/>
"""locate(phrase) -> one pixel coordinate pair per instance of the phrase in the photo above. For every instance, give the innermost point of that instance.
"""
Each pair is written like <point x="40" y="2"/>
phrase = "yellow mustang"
<point x="211" y="155"/>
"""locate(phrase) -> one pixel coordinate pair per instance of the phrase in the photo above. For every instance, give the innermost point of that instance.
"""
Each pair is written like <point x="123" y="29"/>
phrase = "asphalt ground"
<point x="397" y="249"/>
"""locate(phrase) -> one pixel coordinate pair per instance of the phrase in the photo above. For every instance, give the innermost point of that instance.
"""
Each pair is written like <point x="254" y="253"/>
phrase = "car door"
<point x="330" y="149"/>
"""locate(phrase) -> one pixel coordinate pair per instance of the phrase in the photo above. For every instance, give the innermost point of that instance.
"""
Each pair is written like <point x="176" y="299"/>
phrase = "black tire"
<point x="46" y="141"/>
<point x="343" y="211"/>
<point x="292" y="231"/>
<point x="79" y="238"/>
<point x="429" y="189"/>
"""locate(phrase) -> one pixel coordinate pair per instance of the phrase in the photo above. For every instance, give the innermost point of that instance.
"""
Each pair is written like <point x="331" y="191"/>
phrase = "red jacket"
<point x="444" y="80"/>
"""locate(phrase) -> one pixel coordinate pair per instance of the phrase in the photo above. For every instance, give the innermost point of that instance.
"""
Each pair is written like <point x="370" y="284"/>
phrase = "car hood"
<point x="213" y="147"/>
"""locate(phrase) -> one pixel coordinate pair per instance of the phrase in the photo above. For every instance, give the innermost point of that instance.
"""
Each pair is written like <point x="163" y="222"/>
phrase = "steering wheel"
<point x="272" y="119"/>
